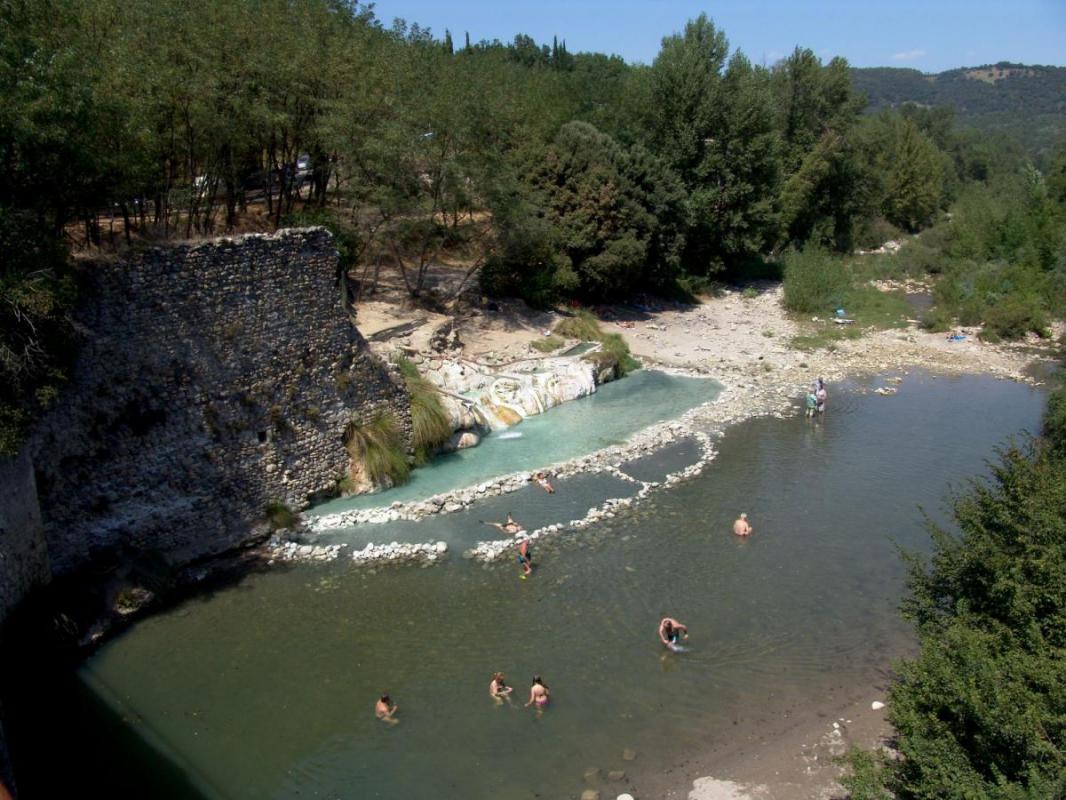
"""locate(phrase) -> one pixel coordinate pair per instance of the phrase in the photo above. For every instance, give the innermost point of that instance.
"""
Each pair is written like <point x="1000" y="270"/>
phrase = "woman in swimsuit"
<point x="511" y="526"/>
<point x="542" y="481"/>
<point x="538" y="694"/>
<point x="498" y="688"/>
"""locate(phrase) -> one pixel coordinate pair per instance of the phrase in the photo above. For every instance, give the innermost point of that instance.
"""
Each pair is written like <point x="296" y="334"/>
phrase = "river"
<point x="265" y="689"/>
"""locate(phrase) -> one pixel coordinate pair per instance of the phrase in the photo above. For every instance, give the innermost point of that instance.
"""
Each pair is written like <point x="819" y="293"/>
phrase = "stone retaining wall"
<point x="23" y="554"/>
<point x="214" y="379"/>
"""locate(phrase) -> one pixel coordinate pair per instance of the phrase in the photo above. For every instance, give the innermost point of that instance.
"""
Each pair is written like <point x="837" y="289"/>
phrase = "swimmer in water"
<point x="525" y="558"/>
<point x="741" y="526"/>
<point x="385" y="710"/>
<point x="511" y="526"/>
<point x="541" y="479"/>
<point x="498" y="689"/>
<point x="539" y="694"/>
<point x="670" y="631"/>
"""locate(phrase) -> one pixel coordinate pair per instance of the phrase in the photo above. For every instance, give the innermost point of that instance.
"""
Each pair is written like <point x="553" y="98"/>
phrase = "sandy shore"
<point x="744" y="341"/>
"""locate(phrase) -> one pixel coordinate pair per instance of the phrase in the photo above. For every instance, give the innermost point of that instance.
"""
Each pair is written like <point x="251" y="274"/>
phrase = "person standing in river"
<point x="670" y="631"/>
<point x="525" y="558"/>
<point x="741" y="526"/>
<point x="820" y="395"/>
<point x="385" y="710"/>
<point x="539" y="694"/>
<point x="498" y="689"/>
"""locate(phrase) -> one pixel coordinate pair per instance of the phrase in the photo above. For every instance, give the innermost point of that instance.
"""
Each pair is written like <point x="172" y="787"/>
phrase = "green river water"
<point x="265" y="689"/>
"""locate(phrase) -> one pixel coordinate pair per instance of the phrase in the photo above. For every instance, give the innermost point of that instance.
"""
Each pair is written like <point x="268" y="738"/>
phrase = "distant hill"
<point x="1026" y="102"/>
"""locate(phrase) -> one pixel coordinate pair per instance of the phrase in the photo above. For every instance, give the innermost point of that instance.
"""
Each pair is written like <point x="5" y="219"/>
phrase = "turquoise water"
<point x="266" y="689"/>
<point x="610" y="416"/>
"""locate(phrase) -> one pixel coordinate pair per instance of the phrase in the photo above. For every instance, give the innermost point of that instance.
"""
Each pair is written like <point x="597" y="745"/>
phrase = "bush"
<point x="378" y="445"/>
<point x="279" y="515"/>
<point x="585" y="327"/>
<point x="1015" y="316"/>
<point x="548" y="344"/>
<point x="937" y="320"/>
<point x="430" y="424"/>
<point x="814" y="281"/>
<point x="981" y="711"/>
<point x="1054" y="429"/>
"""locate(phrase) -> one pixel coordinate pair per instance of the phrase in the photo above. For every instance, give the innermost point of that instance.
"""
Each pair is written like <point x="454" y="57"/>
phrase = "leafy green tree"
<point x="716" y="130"/>
<point x="981" y="712"/>
<point x="911" y="168"/>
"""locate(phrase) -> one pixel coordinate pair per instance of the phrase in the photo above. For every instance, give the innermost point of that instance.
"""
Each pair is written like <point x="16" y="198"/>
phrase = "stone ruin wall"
<point x="214" y="378"/>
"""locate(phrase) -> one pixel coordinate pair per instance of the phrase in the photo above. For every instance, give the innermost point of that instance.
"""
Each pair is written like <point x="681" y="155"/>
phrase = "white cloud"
<point x="908" y="55"/>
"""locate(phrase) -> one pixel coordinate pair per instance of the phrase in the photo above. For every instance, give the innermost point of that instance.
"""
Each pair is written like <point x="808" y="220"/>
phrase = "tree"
<point x="910" y="168"/>
<point x="981" y="712"/>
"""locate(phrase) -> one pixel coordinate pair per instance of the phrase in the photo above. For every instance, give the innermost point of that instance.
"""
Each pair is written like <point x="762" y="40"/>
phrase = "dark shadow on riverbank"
<point x="63" y="736"/>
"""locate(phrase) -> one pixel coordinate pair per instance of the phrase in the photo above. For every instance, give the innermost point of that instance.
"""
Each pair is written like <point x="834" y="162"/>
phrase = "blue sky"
<point x="931" y="35"/>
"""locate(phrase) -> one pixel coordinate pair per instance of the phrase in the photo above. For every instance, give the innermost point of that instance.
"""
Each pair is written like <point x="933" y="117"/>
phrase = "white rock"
<point x="877" y="705"/>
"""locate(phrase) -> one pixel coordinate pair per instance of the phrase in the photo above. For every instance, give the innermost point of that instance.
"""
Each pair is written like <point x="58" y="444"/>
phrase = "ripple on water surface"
<point x="271" y="690"/>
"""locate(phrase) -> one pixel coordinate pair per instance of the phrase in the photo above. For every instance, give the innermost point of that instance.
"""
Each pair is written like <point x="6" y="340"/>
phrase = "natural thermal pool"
<point x="266" y="689"/>
<point x="616" y="411"/>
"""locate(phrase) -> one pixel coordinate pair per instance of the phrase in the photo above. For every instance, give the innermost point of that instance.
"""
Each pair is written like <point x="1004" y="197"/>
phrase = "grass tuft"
<point x="430" y="424"/>
<point x="378" y="446"/>
<point x="547" y="344"/>
<point x="279" y="515"/>
<point x="585" y="327"/>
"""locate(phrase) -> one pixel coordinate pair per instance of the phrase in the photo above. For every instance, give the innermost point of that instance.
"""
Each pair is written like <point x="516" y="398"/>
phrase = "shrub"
<point x="378" y="445"/>
<point x="602" y="360"/>
<point x="1015" y="316"/>
<point x="430" y="424"/>
<point x="916" y="259"/>
<point x="548" y="344"/>
<point x="814" y="281"/>
<point x="873" y="232"/>
<point x="584" y="326"/>
<point x="937" y="320"/>
<point x="980" y="712"/>
<point x="279" y="515"/>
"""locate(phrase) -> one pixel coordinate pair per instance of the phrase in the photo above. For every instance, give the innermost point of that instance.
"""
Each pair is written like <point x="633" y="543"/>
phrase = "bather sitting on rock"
<point x="385" y="710"/>
<point x="741" y="526"/>
<point x="511" y="526"/>
<point x="541" y="479"/>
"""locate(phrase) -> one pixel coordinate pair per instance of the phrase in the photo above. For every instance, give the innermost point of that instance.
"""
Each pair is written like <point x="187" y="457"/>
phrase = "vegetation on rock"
<point x="585" y="327"/>
<point x="377" y="450"/>
<point x="430" y="425"/>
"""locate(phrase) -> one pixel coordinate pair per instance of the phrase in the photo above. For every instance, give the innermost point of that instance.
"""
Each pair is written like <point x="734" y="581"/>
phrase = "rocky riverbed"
<point x="741" y="339"/>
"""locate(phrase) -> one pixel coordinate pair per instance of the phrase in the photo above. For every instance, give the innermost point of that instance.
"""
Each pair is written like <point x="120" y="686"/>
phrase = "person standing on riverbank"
<point x="385" y="710"/>
<point x="741" y="526"/>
